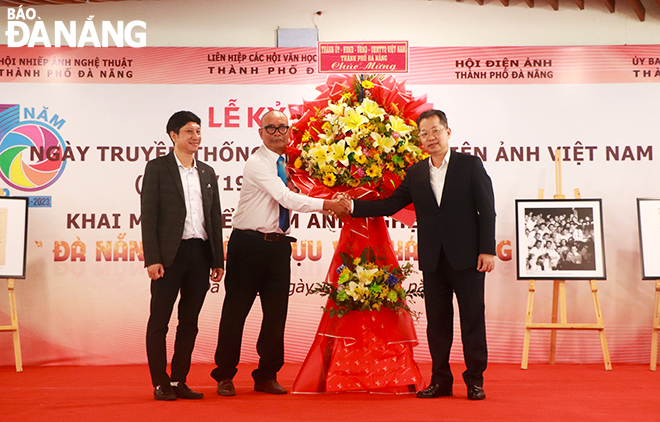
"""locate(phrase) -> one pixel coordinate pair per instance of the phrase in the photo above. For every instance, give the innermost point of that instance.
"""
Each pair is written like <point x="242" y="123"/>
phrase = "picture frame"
<point x="560" y="239"/>
<point x="13" y="236"/>
<point x="648" y="217"/>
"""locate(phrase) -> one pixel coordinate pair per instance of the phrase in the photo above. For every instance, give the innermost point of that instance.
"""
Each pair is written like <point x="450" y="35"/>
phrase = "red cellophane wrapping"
<point x="362" y="350"/>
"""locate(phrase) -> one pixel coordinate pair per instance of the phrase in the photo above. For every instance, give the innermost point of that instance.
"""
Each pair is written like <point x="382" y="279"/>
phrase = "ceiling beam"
<point x="610" y="5"/>
<point x="580" y="4"/>
<point x="530" y="3"/>
<point x="638" y="7"/>
<point x="555" y="4"/>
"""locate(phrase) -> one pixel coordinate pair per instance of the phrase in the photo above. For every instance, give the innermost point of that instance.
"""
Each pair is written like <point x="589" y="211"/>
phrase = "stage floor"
<point x="541" y="393"/>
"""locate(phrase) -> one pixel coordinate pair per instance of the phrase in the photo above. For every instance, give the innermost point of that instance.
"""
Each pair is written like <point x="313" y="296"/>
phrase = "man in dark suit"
<point x="182" y="243"/>
<point x="454" y="202"/>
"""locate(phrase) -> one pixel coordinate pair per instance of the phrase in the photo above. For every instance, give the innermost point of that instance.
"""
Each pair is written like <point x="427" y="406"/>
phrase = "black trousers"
<point x="188" y="275"/>
<point x="254" y="267"/>
<point x="439" y="288"/>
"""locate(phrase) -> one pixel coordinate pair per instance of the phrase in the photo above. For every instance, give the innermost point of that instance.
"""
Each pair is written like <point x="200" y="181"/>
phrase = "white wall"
<point x="207" y="23"/>
<point x="211" y="23"/>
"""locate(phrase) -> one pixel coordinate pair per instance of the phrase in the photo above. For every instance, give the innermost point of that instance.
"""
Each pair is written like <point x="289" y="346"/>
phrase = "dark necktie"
<point x="284" y="213"/>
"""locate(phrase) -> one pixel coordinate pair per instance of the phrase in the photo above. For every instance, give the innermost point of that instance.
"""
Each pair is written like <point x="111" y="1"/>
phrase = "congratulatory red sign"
<point x="363" y="57"/>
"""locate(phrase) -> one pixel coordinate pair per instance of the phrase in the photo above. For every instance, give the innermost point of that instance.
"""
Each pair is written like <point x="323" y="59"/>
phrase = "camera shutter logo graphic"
<point x="31" y="152"/>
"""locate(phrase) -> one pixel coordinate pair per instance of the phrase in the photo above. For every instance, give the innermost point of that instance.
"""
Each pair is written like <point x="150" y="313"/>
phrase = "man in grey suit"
<point x="182" y="244"/>
<point x="455" y="206"/>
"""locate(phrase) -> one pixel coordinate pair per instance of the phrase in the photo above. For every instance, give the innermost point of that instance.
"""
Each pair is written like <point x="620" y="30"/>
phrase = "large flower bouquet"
<point x="363" y="285"/>
<point x="359" y="137"/>
<point x="354" y="141"/>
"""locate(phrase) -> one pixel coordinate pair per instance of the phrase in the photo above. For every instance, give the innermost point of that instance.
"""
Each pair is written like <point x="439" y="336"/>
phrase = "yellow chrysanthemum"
<point x="329" y="180"/>
<point x="298" y="163"/>
<point x="373" y="171"/>
<point x="361" y="159"/>
<point x="354" y="183"/>
<point x="367" y="84"/>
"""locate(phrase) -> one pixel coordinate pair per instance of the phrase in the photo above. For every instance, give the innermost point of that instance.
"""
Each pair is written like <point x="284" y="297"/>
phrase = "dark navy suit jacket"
<point x="464" y="223"/>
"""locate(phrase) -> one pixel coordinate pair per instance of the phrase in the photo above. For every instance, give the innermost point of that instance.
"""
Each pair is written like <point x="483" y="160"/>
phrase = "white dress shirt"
<point x="437" y="178"/>
<point x="262" y="193"/>
<point x="438" y="175"/>
<point x="193" y="227"/>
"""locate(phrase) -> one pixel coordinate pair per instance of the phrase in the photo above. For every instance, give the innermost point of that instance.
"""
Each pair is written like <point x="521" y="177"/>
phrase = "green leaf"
<point x="368" y="255"/>
<point x="347" y="260"/>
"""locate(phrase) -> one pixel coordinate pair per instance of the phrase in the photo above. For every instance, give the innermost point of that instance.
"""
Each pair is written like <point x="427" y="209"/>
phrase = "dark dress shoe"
<point x="433" y="391"/>
<point x="226" y="388"/>
<point x="475" y="392"/>
<point x="182" y="391"/>
<point x="270" y="387"/>
<point x="164" y="392"/>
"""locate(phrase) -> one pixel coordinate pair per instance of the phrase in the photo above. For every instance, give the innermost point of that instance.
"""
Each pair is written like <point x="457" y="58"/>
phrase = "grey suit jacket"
<point x="164" y="211"/>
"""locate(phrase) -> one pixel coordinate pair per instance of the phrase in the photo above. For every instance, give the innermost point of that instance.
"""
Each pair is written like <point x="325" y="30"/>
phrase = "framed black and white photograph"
<point x="13" y="236"/>
<point x="560" y="239"/>
<point x="648" y="214"/>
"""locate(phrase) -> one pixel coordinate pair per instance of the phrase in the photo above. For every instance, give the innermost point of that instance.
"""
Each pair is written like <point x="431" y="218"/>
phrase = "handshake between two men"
<point x="339" y="206"/>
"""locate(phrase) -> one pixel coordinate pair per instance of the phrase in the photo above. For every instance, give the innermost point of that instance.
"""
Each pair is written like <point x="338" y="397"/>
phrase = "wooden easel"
<point x="14" y="325"/>
<point x="656" y="327"/>
<point x="559" y="302"/>
<point x="14" y="321"/>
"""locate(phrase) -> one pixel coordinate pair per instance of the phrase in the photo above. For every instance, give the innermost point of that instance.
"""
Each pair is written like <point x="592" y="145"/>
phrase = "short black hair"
<point x="180" y="119"/>
<point x="430" y="113"/>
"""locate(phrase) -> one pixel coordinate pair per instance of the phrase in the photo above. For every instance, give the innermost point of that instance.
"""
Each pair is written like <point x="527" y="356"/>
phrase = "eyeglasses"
<point x="270" y="129"/>
<point x="433" y="132"/>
